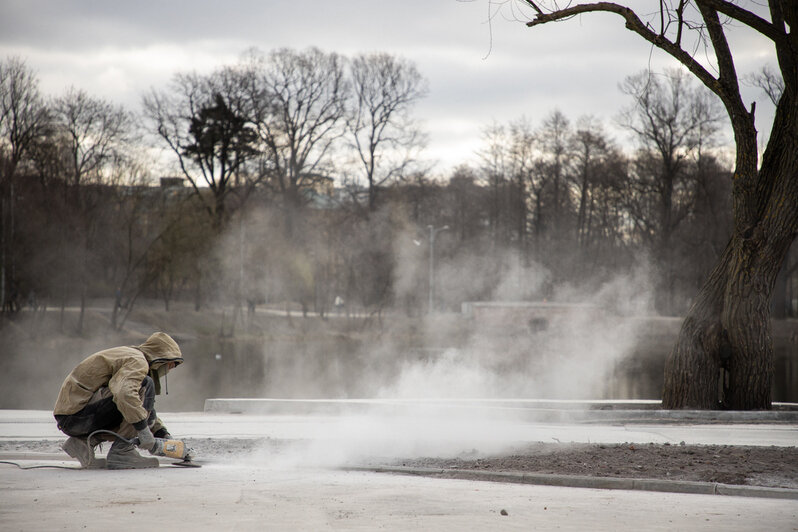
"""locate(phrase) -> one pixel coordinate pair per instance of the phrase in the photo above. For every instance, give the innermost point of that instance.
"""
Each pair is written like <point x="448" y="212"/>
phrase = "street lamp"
<point x="432" y="232"/>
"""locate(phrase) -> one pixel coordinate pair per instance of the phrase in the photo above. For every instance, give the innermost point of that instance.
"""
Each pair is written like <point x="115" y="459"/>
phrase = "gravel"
<point x="737" y="465"/>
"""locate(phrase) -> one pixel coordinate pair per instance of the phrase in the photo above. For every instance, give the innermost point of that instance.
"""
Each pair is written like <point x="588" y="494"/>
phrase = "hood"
<point x="159" y="350"/>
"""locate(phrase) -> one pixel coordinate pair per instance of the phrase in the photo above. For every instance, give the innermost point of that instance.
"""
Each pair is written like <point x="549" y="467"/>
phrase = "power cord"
<point x="38" y="466"/>
<point x="88" y="446"/>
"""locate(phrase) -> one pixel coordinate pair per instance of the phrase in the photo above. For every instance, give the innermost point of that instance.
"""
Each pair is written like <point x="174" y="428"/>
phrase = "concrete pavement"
<point x="256" y="497"/>
<point x="303" y="488"/>
<point x="464" y="423"/>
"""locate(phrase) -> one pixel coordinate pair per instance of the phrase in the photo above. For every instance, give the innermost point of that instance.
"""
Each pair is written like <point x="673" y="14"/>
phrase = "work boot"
<point x="77" y="449"/>
<point x="123" y="455"/>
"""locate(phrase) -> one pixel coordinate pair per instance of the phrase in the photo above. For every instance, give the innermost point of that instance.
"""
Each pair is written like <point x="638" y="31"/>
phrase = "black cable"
<point x="112" y="433"/>
<point x="89" y="447"/>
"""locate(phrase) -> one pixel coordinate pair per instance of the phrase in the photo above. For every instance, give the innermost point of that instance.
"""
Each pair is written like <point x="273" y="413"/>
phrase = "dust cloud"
<point x="533" y="338"/>
<point x="436" y="379"/>
<point x="433" y="374"/>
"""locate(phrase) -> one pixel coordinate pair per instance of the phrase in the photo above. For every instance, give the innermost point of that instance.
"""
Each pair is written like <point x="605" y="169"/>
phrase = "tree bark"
<point x="723" y="357"/>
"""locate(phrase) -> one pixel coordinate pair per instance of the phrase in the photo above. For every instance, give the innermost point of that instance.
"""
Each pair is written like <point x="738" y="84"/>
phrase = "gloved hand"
<point x="146" y="439"/>
<point x="171" y="448"/>
<point x="157" y="447"/>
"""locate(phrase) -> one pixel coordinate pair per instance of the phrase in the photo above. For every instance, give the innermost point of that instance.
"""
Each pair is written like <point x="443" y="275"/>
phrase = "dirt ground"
<point x="754" y="466"/>
<point x="741" y="465"/>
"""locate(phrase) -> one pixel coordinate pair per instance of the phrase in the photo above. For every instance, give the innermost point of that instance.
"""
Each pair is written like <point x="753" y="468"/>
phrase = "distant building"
<point x="171" y="182"/>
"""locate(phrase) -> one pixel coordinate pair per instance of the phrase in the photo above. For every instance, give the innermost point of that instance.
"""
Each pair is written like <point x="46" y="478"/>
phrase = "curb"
<point x="577" y="481"/>
<point x="526" y="409"/>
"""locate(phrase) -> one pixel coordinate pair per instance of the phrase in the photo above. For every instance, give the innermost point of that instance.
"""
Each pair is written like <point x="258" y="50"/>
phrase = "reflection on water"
<point x="342" y="368"/>
<point x="343" y="365"/>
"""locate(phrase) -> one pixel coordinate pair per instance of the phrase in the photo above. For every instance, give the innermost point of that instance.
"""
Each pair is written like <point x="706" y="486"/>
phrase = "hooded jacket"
<point x="121" y="369"/>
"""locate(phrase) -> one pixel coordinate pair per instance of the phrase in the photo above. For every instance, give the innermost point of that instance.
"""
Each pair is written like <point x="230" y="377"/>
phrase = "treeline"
<point x="304" y="185"/>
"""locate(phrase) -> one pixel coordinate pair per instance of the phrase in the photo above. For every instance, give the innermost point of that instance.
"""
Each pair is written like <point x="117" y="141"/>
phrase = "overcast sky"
<point x="478" y="72"/>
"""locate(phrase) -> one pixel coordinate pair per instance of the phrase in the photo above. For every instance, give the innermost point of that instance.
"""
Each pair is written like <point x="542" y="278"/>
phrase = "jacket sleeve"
<point x="125" y="384"/>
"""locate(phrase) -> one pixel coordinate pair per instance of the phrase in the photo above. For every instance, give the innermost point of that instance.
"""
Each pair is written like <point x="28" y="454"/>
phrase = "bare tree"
<point x="463" y="200"/>
<point x="300" y="109"/>
<point x="23" y="114"/>
<point x="523" y="149"/>
<point x="525" y="172"/>
<point x="605" y="233"/>
<point x="724" y="352"/>
<point x="673" y="123"/>
<point x="495" y="168"/>
<point x="702" y="236"/>
<point x="132" y="207"/>
<point x="95" y="132"/>
<point x="23" y="119"/>
<point x="770" y="82"/>
<point x="383" y="134"/>
<point x="593" y="154"/>
<point x="553" y="136"/>
<point x="207" y="123"/>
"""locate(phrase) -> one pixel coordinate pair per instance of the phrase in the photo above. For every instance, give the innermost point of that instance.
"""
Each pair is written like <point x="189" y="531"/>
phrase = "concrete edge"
<point x="535" y="410"/>
<point x="578" y="481"/>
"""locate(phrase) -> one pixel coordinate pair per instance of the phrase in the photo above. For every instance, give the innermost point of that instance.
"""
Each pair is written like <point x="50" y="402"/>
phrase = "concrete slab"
<point x="300" y="489"/>
<point x="249" y="496"/>
<point x="431" y="432"/>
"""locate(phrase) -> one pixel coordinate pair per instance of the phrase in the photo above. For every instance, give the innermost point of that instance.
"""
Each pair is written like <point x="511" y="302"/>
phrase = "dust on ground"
<point x="725" y="464"/>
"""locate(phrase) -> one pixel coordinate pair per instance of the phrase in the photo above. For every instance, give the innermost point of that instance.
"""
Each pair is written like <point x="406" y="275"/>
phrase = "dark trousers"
<point x="101" y="412"/>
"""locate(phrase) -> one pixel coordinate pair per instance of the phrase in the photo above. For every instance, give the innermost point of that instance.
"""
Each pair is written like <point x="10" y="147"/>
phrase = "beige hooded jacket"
<point x="121" y="369"/>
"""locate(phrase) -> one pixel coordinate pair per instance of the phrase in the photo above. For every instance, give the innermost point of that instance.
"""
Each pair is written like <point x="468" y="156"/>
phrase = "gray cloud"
<point x="478" y="72"/>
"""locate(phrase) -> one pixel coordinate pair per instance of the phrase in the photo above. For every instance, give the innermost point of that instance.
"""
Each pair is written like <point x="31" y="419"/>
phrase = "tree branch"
<point x="633" y="23"/>
<point x="751" y="20"/>
<point x="727" y="73"/>
<point x="787" y="49"/>
<point x="534" y="6"/>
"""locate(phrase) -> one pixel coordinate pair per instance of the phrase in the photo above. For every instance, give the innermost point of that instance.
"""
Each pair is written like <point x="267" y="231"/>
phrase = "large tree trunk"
<point x="693" y="367"/>
<point x="723" y="357"/>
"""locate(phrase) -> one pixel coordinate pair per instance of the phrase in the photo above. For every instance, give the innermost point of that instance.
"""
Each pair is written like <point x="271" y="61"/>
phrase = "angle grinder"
<point x="171" y="449"/>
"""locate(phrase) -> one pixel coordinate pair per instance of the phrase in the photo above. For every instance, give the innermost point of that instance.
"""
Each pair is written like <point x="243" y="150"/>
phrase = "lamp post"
<point x="432" y="232"/>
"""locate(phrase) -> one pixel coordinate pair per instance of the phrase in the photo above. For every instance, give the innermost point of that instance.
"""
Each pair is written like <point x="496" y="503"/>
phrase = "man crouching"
<point x="114" y="390"/>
